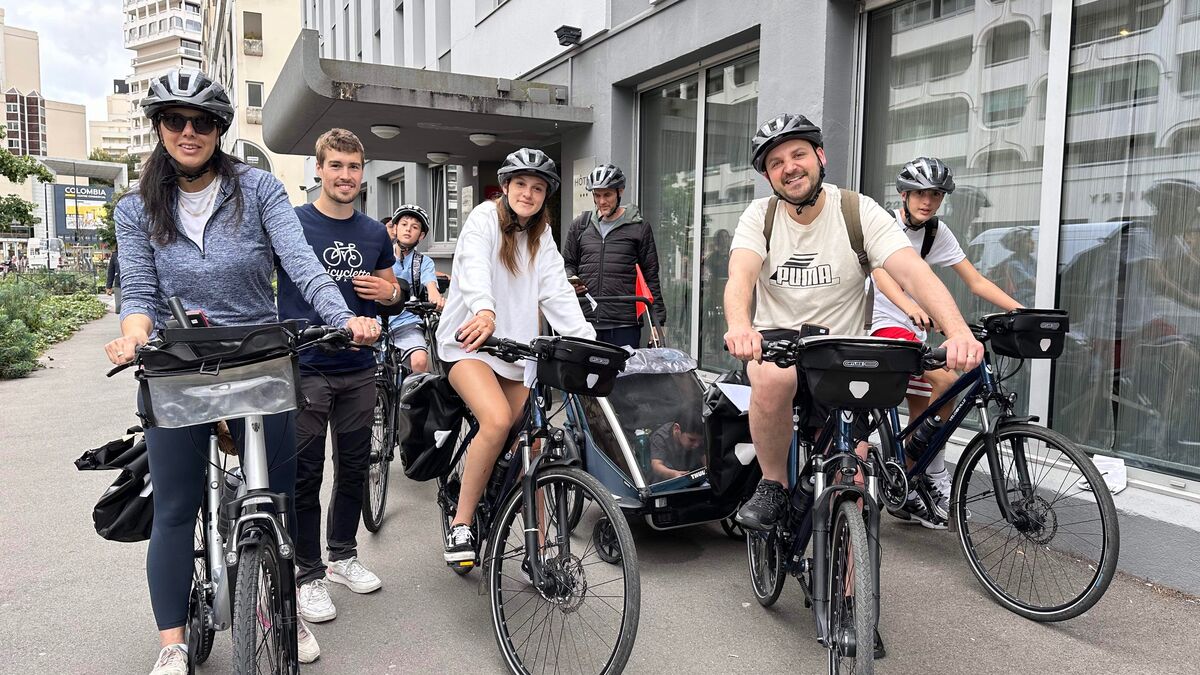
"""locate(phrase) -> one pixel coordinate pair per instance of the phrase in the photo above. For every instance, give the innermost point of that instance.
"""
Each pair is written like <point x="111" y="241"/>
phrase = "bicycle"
<point x="389" y="426"/>
<point x="556" y="607"/>
<point x="1017" y="489"/>
<point x="244" y="578"/>
<point x="340" y="252"/>
<point x="828" y="503"/>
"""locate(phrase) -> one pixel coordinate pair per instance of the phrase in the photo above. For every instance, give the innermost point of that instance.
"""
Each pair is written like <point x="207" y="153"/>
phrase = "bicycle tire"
<point x="375" y="487"/>
<point x="574" y="575"/>
<point x="263" y="577"/>
<point x="848" y="548"/>
<point x="1088" y="554"/>
<point x="199" y="633"/>
<point x="765" y="560"/>
<point x="575" y="503"/>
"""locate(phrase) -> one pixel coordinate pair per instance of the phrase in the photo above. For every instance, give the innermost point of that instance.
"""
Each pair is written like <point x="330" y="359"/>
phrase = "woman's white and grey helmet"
<point x="925" y="173"/>
<point x="188" y="88"/>
<point x="416" y="212"/>
<point x="529" y="161"/>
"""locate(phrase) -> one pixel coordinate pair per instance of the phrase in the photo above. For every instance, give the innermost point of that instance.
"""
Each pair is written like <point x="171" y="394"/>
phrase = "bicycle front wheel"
<point x="852" y="593"/>
<point x="375" y="487"/>
<point x="585" y="618"/>
<point x="264" y="611"/>
<point x="1054" y="557"/>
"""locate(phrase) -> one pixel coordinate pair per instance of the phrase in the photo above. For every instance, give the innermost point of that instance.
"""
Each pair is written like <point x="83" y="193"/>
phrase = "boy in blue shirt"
<point x="411" y="224"/>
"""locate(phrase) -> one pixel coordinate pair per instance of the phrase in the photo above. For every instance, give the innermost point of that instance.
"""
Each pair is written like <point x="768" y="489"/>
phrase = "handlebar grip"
<point x="119" y="368"/>
<point x="178" y="311"/>
<point x="492" y="341"/>
<point x="934" y="359"/>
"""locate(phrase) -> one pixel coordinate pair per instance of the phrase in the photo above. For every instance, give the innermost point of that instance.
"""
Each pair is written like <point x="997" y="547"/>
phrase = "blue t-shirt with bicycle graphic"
<point x="347" y="248"/>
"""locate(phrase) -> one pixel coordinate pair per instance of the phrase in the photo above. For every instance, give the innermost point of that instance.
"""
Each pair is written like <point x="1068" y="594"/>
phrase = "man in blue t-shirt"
<point x="410" y="224"/>
<point x="340" y="387"/>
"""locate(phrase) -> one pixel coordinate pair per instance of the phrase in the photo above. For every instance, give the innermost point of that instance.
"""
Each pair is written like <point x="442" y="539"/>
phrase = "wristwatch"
<point x="395" y="295"/>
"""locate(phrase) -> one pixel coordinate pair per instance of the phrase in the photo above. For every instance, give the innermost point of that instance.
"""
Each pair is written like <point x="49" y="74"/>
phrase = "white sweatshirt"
<point x="479" y="281"/>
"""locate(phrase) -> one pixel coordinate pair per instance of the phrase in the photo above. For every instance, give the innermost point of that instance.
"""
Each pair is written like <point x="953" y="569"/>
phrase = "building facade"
<point x="112" y="133"/>
<point x="247" y="42"/>
<point x="1073" y="129"/>
<point x="164" y="34"/>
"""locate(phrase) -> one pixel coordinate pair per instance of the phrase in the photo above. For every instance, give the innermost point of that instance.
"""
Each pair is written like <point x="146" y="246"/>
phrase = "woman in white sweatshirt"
<point x="507" y="269"/>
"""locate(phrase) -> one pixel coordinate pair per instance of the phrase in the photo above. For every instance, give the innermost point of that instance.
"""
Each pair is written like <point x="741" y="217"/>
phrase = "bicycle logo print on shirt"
<point x="343" y="261"/>
<point x="798" y="272"/>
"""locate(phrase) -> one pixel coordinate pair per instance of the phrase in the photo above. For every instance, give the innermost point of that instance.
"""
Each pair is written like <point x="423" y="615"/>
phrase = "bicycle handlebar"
<point x="509" y="350"/>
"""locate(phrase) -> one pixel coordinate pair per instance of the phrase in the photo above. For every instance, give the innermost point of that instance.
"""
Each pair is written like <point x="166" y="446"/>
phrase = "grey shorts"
<point x="409" y="339"/>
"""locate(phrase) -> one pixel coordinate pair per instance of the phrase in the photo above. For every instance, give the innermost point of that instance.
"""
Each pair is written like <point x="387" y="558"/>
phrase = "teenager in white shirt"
<point x="923" y="184"/>
<point x="507" y="269"/>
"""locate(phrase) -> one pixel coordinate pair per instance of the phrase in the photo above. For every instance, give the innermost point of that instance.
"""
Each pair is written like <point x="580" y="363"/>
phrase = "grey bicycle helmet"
<point x="1172" y="195"/>
<point x="529" y="161"/>
<point x="414" y="211"/>
<point x="774" y="131"/>
<point x="188" y="88"/>
<point x="969" y="196"/>
<point x="925" y="173"/>
<point x="606" y="176"/>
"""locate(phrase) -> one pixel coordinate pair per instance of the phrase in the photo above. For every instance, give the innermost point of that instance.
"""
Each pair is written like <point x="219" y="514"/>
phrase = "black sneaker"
<point x="460" y="544"/>
<point x="921" y="508"/>
<point x="880" y="652"/>
<point x="764" y="508"/>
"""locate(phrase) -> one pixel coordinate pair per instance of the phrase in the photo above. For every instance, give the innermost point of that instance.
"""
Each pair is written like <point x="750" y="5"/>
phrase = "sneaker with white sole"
<point x="460" y="544"/>
<point x="314" y="603"/>
<point x="941" y="485"/>
<point x="172" y="660"/>
<point x="307" y="649"/>
<point x="351" y="574"/>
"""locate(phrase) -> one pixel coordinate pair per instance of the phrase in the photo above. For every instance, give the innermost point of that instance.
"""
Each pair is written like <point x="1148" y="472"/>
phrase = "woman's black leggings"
<point x="178" y="465"/>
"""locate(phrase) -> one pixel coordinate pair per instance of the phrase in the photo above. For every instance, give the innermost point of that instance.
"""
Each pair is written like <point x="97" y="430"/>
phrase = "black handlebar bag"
<point x="202" y="375"/>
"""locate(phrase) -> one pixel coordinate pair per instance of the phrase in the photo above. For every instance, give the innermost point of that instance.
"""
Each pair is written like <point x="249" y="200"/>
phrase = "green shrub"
<point x="31" y="320"/>
<point x="62" y="315"/>
<point x="18" y="348"/>
<point x="22" y="302"/>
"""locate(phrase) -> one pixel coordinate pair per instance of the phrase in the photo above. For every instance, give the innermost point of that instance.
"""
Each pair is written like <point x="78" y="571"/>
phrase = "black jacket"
<point x="114" y="272"/>
<point x="606" y="265"/>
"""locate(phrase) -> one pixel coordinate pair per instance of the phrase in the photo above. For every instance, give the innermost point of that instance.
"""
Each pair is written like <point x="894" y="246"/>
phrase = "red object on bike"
<point x="641" y="288"/>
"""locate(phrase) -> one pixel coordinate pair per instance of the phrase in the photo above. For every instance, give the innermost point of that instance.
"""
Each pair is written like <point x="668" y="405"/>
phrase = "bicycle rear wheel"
<point x="375" y="488"/>
<point x="585" y="619"/>
<point x="766" y="565"/>
<point x="852" y="593"/>
<point x="264" y="611"/>
<point x="1057" y="555"/>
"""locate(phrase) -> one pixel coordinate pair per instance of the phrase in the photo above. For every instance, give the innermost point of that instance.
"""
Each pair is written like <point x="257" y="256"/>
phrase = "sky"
<point x="81" y="46"/>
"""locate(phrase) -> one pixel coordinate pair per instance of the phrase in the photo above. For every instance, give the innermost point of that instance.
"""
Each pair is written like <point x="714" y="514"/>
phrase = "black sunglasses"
<point x="201" y="124"/>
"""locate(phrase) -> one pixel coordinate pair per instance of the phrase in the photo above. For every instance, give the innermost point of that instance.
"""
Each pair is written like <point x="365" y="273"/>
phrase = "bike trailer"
<point x="222" y="372"/>
<point x="652" y="413"/>
<point x="858" y="373"/>
<point x="1028" y="333"/>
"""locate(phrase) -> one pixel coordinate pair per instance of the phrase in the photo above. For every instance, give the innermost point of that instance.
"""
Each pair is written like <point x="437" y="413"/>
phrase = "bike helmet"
<point x="188" y="88"/>
<point x="1173" y="195"/>
<point x="606" y="176"/>
<point x="779" y="129"/>
<point x="529" y="161"/>
<point x="971" y="196"/>
<point x="925" y="173"/>
<point x="415" y="211"/>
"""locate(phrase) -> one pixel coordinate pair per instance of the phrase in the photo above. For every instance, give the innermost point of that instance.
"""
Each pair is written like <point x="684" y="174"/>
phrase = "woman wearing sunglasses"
<point x="208" y="229"/>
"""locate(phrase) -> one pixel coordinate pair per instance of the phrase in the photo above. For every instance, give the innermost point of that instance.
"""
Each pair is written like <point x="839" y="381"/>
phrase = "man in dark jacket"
<point x="603" y="248"/>
<point x="112" y="284"/>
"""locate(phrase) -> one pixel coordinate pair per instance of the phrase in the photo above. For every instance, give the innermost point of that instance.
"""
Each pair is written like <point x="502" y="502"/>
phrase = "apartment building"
<point x="164" y="34"/>
<point x="112" y="133"/>
<point x="35" y="125"/>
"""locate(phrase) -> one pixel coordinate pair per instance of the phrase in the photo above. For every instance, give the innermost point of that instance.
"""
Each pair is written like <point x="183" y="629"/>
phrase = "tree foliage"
<point x="17" y="168"/>
<point x="14" y="210"/>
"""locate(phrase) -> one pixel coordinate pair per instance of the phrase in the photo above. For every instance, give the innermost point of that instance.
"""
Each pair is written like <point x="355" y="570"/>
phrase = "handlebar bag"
<point x="858" y="373"/>
<point x="1028" y="333"/>
<point x="579" y="366"/>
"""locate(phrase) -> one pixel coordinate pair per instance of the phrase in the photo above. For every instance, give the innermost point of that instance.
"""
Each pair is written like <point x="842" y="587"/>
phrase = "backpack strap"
<point x="850" y="214"/>
<point x="769" y="221"/>
<point x="930" y="234"/>
<point x="417" y="289"/>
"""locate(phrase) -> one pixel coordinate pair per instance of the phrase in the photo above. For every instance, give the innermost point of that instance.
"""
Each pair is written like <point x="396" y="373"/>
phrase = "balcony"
<point x="252" y="47"/>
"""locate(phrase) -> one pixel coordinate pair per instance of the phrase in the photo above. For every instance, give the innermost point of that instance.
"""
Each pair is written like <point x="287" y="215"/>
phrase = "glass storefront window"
<point x="979" y="120"/>
<point x="1129" y="251"/>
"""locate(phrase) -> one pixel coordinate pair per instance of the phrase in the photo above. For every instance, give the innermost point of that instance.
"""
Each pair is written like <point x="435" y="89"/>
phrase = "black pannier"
<point x="858" y="373"/>
<point x="1028" y="333"/>
<point x="579" y="366"/>
<point x="733" y="469"/>
<point x="125" y="512"/>
<point x="435" y="412"/>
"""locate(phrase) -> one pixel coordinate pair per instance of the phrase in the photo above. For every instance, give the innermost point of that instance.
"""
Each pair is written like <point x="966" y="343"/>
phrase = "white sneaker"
<point x="942" y="482"/>
<point x="172" y="660"/>
<point x="314" y="602"/>
<point x="351" y="574"/>
<point x="307" y="648"/>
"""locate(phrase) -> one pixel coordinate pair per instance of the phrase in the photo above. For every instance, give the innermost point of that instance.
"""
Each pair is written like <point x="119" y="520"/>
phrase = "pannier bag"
<point x="435" y="413"/>
<point x="858" y="373"/>
<point x="1028" y="333"/>
<point x="125" y="512"/>
<point x="199" y="376"/>
<point x="733" y="469"/>
<point x="579" y="366"/>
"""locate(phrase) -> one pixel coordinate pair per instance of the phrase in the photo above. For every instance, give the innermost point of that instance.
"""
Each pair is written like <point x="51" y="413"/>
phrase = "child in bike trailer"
<point x="205" y="227"/>
<point x="923" y="184"/>
<point x="410" y="224"/>
<point x="506" y="270"/>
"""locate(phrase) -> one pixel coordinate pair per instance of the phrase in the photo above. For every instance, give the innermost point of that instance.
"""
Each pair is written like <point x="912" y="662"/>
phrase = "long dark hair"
<point x="158" y="186"/>
<point x="510" y="226"/>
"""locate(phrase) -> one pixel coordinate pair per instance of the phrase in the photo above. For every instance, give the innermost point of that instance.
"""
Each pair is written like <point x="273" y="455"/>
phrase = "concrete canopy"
<point x="435" y="111"/>
<point x="113" y="172"/>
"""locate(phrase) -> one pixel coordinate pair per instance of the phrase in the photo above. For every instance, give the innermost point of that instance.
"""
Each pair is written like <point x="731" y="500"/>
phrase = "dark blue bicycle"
<point x="1035" y="519"/>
